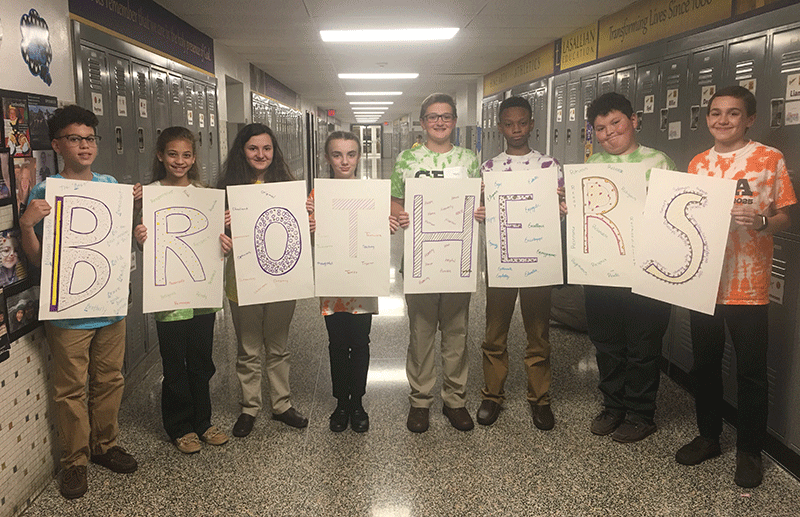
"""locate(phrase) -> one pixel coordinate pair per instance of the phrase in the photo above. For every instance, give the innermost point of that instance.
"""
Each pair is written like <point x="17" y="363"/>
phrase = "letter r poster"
<point x="183" y="258"/>
<point x="682" y="239"/>
<point x="271" y="242"/>
<point x="86" y="250"/>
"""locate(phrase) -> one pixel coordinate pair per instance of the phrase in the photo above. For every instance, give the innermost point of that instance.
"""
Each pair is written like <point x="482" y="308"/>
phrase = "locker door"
<point x="540" y="118"/>
<point x="573" y="147"/>
<point x="605" y="83"/>
<point x="588" y="94"/>
<point x="176" y="102"/>
<point x="190" y="109"/>
<point x="125" y="165"/>
<point x="201" y="124"/>
<point x="485" y="133"/>
<point x="161" y="101"/>
<point x="705" y="77"/>
<point x="96" y="95"/>
<point x="673" y="110"/>
<point x="559" y="119"/>
<point x="644" y="106"/>
<point x="624" y="83"/>
<point x="213" y="135"/>
<point x="143" y="117"/>
<point x="746" y="67"/>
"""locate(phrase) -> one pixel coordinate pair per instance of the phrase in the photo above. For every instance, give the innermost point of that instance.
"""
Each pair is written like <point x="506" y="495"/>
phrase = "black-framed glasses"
<point x="433" y="117"/>
<point x="75" y="140"/>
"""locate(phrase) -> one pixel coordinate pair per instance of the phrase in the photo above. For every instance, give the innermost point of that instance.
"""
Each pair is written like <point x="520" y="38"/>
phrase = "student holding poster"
<point x="255" y="157"/>
<point x="627" y="329"/>
<point x="185" y="336"/>
<point x="515" y="122"/>
<point x="437" y="158"/>
<point x="348" y="320"/>
<point x="763" y="194"/>
<point x="81" y="348"/>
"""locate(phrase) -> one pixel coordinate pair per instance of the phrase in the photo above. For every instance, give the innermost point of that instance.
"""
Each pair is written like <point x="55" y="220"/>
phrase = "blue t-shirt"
<point x="38" y="192"/>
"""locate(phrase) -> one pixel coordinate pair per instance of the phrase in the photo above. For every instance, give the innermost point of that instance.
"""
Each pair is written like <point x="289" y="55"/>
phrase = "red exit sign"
<point x="331" y="113"/>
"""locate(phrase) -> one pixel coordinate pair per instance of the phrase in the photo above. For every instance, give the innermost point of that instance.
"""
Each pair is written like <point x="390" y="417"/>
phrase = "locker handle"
<point x="211" y="139"/>
<point x="695" y="118"/>
<point x="664" y="119"/>
<point x="583" y="135"/>
<point x="140" y="135"/>
<point x="118" y="138"/>
<point x="569" y="135"/>
<point x="158" y="132"/>
<point x="200" y="138"/>
<point x="640" y="120"/>
<point x="776" y="113"/>
<point x="555" y="136"/>
<point x="537" y="134"/>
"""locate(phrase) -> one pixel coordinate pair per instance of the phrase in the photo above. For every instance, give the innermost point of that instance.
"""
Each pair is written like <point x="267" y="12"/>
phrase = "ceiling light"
<point x="374" y="109"/>
<point x="373" y="103"/>
<point x="384" y="35"/>
<point x="367" y="114"/>
<point x="376" y="94"/>
<point x="380" y="76"/>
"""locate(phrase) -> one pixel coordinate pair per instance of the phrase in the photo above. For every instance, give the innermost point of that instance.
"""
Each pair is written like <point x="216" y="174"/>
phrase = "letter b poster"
<point x="86" y="250"/>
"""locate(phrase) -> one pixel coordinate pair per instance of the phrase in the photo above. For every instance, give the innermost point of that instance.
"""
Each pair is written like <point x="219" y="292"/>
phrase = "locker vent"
<point x="160" y="91"/>
<point x="141" y="83"/>
<point x="189" y="99"/>
<point x="119" y="79"/>
<point x="705" y="77"/>
<point x="201" y="99"/>
<point x="790" y="62"/>
<point x="176" y="91"/>
<point x="95" y="67"/>
<point x="647" y="86"/>
<point x="573" y="97"/>
<point x="744" y="70"/>
<point x="673" y="81"/>
<point x="560" y="97"/>
<point x="624" y="86"/>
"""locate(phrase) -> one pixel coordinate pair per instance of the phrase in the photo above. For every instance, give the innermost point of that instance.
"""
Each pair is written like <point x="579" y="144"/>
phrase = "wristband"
<point x="764" y="223"/>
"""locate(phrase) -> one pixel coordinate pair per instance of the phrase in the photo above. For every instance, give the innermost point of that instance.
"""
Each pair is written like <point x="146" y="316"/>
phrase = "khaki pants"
<point x="263" y="326"/>
<point x="535" y="308"/>
<point x="91" y="427"/>
<point x="449" y="312"/>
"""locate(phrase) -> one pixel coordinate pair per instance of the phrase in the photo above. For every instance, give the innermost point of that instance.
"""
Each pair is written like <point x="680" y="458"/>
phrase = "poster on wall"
<point x="24" y="180"/>
<point x="40" y="110"/>
<point x="5" y="175"/>
<point x="35" y="45"/>
<point x="45" y="162"/>
<point x="5" y="342"/>
<point x="13" y="267"/>
<point x="15" y="124"/>
<point x="21" y="308"/>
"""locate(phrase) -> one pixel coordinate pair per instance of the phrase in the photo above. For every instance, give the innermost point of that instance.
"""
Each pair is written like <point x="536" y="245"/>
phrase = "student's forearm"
<point x="397" y="206"/>
<point x="778" y="222"/>
<point x="31" y="246"/>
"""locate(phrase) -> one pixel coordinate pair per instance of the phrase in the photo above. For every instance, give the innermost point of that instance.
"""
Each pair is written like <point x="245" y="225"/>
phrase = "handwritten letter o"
<point x="292" y="246"/>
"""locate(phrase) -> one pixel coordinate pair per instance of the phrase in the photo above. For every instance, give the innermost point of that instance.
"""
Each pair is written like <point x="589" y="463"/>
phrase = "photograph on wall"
<point x="12" y="258"/>
<point x="5" y="177"/>
<point x="22" y="312"/>
<point x="40" y="109"/>
<point x="24" y="180"/>
<point x="5" y="342"/>
<point x="45" y="165"/>
<point x="15" y="125"/>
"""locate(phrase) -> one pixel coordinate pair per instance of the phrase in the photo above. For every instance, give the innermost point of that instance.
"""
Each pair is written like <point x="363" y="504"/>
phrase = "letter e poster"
<point x="86" y="250"/>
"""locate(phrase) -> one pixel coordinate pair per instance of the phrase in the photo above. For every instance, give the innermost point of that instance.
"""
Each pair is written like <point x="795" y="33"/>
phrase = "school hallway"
<point x="507" y="469"/>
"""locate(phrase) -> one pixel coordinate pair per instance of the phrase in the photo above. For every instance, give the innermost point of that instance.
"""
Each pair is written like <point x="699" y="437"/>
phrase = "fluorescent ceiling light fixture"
<point x="368" y="113"/>
<point x="376" y="94"/>
<point x="384" y="35"/>
<point x="388" y="75"/>
<point x="371" y="103"/>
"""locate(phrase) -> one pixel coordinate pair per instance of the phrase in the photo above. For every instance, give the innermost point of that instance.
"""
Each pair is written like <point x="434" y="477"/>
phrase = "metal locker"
<point x="644" y="105"/>
<point x="746" y="67"/>
<point x="673" y="110"/>
<point x="573" y="147"/>
<point x="176" y="101"/>
<point x="201" y="122"/>
<point x="159" y="114"/>
<point x="624" y="83"/>
<point x="95" y="94"/>
<point x="559" y="118"/>
<point x="705" y="77"/>
<point x="143" y="117"/>
<point x="189" y="107"/>
<point x="213" y="134"/>
<point x="539" y="98"/>
<point x="605" y="83"/>
<point x="588" y="94"/>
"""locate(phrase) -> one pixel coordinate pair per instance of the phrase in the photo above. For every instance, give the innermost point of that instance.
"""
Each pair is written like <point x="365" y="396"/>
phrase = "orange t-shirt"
<point x="764" y="184"/>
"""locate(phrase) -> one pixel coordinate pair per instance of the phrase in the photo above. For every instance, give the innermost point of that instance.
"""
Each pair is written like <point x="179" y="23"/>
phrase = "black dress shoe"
<point x="291" y="417"/>
<point x="418" y="419"/>
<point x="359" y="420"/>
<point x="339" y="420"/>
<point x="459" y="418"/>
<point x="243" y="425"/>
<point x="488" y="412"/>
<point x="543" y="416"/>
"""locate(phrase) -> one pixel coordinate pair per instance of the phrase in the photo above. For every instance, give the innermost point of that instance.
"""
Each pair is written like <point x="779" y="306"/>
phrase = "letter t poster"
<point x="86" y="250"/>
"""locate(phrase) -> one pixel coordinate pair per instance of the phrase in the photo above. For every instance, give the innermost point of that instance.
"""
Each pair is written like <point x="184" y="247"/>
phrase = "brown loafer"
<point x="459" y="418"/>
<point x="488" y="412"/>
<point x="418" y="419"/>
<point x="291" y="417"/>
<point x="543" y="416"/>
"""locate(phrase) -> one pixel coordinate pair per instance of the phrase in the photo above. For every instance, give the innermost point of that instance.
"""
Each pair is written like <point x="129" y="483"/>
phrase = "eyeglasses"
<point x="75" y="140"/>
<point x="433" y="117"/>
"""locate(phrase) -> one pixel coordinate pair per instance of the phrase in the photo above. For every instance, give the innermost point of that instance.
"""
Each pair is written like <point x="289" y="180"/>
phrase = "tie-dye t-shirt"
<point x="504" y="162"/>
<point x="764" y="184"/>
<point x="422" y="162"/>
<point x="653" y="158"/>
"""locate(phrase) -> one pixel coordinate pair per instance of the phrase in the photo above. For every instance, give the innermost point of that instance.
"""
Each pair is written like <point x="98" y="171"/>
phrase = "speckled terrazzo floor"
<point x="507" y="469"/>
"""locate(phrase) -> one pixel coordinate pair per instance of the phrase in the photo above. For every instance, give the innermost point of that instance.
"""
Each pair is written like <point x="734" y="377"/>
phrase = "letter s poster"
<point x="682" y="239"/>
<point x="183" y="259"/>
<point x="86" y="250"/>
<point x="441" y="241"/>
<point x="523" y="228"/>
<point x="271" y="242"/>
<point x="604" y="203"/>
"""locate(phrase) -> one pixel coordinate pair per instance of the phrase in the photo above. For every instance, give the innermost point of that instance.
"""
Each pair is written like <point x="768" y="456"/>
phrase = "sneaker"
<point x="634" y="429"/>
<point x="748" y="469"/>
<point x="116" y="460"/>
<point x="607" y="422"/>
<point x="188" y="443"/>
<point x="214" y="436"/>
<point x="73" y="482"/>
<point x="697" y="451"/>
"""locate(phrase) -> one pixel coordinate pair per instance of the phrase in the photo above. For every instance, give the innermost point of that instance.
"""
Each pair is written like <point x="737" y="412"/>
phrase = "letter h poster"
<point x="86" y="250"/>
<point x="271" y="242"/>
<point x="351" y="244"/>
<point x="683" y="237"/>
<point x="441" y="241"/>
<point x="183" y="258"/>
<point x="523" y="228"/>
<point x="604" y="203"/>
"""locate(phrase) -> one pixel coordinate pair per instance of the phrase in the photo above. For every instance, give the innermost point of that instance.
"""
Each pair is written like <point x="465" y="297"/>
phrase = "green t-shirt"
<point x="413" y="163"/>
<point x="644" y="155"/>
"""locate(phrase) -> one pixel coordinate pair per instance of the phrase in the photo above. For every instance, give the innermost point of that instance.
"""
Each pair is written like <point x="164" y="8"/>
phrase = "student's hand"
<point x="228" y="219"/>
<point x="482" y="187"/>
<point x="745" y="216"/>
<point x="140" y="233"/>
<point x="394" y="224"/>
<point x="310" y="205"/>
<point x="562" y="201"/>
<point x="35" y="212"/>
<point x="480" y="214"/>
<point x="312" y="223"/>
<point x="403" y="219"/>
<point x="226" y="243"/>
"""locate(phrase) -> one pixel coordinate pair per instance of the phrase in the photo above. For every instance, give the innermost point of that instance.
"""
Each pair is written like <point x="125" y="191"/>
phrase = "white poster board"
<point x="523" y="228"/>
<point x="441" y="241"/>
<point x="86" y="250"/>
<point x="183" y="259"/>
<point x="604" y="203"/>
<point x="352" y="242"/>
<point x="681" y="244"/>
<point x="271" y="242"/>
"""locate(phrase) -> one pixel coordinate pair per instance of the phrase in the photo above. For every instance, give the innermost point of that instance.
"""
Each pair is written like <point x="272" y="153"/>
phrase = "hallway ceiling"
<point x="282" y="38"/>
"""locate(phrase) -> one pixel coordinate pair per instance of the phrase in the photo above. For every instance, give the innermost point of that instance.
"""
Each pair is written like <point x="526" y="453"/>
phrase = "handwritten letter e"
<point x="465" y="236"/>
<point x="80" y="222"/>
<point x="600" y="196"/>
<point x="169" y="236"/>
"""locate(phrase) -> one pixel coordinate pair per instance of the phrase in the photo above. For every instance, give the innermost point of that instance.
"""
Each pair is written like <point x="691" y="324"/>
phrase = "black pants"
<point x="627" y="331"/>
<point x="186" y="348"/>
<point x="348" y="335"/>
<point x="747" y="325"/>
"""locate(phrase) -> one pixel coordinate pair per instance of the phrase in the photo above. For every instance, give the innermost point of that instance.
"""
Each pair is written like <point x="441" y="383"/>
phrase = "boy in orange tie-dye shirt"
<point x="763" y="194"/>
